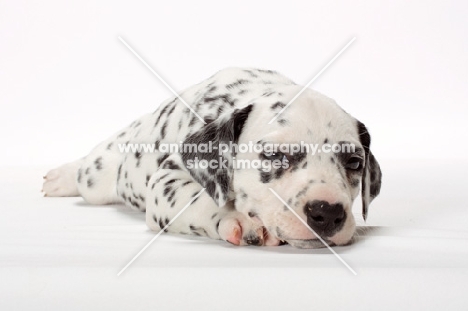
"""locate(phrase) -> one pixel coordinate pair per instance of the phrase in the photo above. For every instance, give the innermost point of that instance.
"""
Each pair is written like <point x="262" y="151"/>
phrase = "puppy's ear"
<point x="372" y="176"/>
<point x="217" y="177"/>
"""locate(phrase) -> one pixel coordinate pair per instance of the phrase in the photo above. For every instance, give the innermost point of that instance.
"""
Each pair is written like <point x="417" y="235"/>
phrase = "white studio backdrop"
<point x="67" y="82"/>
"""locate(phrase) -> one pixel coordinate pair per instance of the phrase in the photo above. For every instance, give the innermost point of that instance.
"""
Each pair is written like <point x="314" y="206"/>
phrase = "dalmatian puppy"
<point x="237" y="206"/>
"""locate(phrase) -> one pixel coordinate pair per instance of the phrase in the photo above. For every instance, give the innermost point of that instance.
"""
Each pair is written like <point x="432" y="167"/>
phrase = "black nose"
<point x="326" y="219"/>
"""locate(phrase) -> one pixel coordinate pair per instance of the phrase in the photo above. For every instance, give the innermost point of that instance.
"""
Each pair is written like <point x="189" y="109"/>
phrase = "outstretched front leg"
<point x="171" y="188"/>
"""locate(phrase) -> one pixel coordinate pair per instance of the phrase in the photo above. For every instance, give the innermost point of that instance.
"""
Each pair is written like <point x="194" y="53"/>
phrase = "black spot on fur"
<point x="167" y="190"/>
<point x="252" y="214"/>
<point x="242" y="193"/>
<point x="198" y="230"/>
<point x="79" y="175"/>
<point x="163" y="111"/>
<point x="237" y="83"/>
<point x="171" y="111"/>
<point x="161" y="159"/>
<point x="251" y="73"/>
<point x="90" y="183"/>
<point x="169" y="182"/>
<point x="171" y="196"/>
<point x="164" y="130"/>
<point x="354" y="182"/>
<point x="193" y="120"/>
<point x="224" y="97"/>
<point x="194" y="195"/>
<point x="136" y="204"/>
<point x="170" y="165"/>
<point x="217" y="226"/>
<point x="294" y="161"/>
<point x="186" y="183"/>
<point x="266" y="71"/>
<point x="167" y="222"/>
<point x="196" y="199"/>
<point x="278" y="105"/>
<point x="302" y="192"/>
<point x="265" y="177"/>
<point x="138" y="157"/>
<point x="161" y="178"/>
<point x="280" y="172"/>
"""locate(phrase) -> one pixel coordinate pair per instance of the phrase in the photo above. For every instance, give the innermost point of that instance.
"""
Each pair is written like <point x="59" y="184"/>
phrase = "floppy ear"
<point x="217" y="178"/>
<point x="372" y="176"/>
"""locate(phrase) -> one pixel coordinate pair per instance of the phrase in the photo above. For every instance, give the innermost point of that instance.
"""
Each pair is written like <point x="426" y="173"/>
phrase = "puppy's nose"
<point x="326" y="219"/>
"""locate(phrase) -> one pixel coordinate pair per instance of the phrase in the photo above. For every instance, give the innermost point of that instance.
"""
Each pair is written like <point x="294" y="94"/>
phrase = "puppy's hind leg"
<point x="93" y="177"/>
<point x="97" y="177"/>
<point x="61" y="181"/>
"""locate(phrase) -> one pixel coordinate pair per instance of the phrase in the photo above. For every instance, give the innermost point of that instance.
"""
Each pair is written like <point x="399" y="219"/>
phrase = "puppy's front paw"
<point x="61" y="182"/>
<point x="238" y="229"/>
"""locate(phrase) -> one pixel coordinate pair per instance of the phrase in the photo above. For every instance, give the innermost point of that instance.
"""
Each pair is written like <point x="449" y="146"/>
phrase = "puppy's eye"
<point x="274" y="156"/>
<point x="354" y="163"/>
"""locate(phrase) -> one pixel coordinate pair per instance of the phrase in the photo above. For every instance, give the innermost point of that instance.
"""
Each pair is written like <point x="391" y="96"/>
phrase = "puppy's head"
<point x="317" y="183"/>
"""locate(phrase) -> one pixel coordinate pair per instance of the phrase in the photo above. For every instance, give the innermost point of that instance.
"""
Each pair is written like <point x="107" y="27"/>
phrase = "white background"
<point x="67" y="82"/>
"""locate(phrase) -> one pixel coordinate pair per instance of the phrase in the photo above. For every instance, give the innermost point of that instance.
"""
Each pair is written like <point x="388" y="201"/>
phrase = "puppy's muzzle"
<point x="324" y="218"/>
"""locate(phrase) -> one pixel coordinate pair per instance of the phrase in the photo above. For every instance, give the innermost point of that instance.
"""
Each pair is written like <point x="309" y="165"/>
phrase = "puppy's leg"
<point x="93" y="177"/>
<point x="97" y="176"/>
<point x="61" y="181"/>
<point x="171" y="188"/>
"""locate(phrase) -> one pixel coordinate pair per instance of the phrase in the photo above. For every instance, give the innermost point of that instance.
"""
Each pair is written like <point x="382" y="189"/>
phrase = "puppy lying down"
<point x="230" y="159"/>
